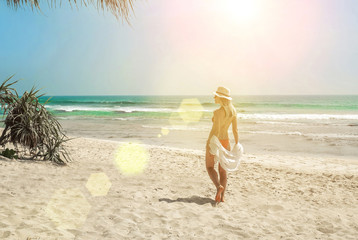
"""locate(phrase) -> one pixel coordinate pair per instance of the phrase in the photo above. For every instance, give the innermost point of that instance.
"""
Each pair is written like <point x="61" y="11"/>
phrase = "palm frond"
<point x="119" y="8"/>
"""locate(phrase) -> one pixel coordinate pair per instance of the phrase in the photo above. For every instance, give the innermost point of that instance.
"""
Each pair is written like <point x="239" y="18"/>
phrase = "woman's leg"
<point x="223" y="175"/>
<point x="223" y="181"/>
<point x="213" y="175"/>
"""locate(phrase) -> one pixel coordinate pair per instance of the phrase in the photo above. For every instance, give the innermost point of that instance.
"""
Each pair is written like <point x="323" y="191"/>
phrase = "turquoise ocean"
<point x="249" y="107"/>
<point x="325" y="125"/>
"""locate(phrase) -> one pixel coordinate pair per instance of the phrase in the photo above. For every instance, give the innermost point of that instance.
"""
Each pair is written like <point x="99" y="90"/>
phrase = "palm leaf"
<point x="30" y="125"/>
<point x="119" y="8"/>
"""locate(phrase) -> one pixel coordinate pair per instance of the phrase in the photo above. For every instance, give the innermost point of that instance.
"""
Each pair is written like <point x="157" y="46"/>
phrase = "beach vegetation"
<point x="9" y="153"/>
<point x="35" y="132"/>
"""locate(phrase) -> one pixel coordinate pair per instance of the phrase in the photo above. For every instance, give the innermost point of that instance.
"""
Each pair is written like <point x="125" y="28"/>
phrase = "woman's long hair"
<point x="228" y="107"/>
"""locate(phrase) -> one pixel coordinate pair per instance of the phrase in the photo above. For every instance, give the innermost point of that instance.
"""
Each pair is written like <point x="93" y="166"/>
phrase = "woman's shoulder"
<point x="219" y="111"/>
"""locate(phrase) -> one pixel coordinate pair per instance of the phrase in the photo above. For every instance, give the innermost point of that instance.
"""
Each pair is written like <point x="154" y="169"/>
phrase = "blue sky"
<point x="184" y="47"/>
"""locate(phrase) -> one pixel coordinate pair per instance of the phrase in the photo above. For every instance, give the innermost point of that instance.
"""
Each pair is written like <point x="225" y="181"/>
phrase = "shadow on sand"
<point x="192" y="199"/>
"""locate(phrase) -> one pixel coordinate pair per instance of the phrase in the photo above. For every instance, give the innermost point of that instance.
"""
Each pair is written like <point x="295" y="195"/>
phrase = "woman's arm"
<point x="235" y="130"/>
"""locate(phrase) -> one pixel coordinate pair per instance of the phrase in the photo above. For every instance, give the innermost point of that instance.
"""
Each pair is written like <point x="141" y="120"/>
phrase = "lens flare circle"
<point x="98" y="184"/>
<point x="68" y="208"/>
<point x="131" y="158"/>
<point x="165" y="131"/>
<point x="191" y="110"/>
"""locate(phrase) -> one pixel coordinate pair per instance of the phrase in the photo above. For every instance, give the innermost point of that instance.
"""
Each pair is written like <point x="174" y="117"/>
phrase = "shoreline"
<point x="254" y="143"/>
<point x="267" y="146"/>
<point x="323" y="163"/>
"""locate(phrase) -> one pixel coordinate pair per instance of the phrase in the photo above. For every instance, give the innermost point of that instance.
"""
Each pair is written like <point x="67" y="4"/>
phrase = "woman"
<point x="222" y="119"/>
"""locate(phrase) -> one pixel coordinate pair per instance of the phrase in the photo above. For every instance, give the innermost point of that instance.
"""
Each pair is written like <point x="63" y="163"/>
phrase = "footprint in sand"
<point x="326" y="227"/>
<point x="272" y="207"/>
<point x="3" y="225"/>
<point x="6" y="234"/>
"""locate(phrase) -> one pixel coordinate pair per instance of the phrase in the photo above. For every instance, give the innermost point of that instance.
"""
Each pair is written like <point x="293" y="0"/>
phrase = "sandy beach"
<point x="270" y="197"/>
<point x="134" y="91"/>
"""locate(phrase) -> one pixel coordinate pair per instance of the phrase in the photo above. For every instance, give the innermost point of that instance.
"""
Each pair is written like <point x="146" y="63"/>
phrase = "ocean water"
<point x="248" y="107"/>
<point x="301" y="124"/>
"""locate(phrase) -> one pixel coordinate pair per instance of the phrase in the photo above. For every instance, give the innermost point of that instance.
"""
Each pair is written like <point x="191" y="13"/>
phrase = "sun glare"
<point x="241" y="11"/>
<point x="131" y="158"/>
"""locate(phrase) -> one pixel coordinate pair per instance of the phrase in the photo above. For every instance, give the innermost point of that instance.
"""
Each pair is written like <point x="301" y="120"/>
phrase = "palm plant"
<point x="119" y="8"/>
<point x="29" y="125"/>
<point x="6" y="96"/>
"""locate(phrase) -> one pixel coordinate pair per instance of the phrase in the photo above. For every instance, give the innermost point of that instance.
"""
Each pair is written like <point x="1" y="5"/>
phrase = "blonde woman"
<point x="222" y="119"/>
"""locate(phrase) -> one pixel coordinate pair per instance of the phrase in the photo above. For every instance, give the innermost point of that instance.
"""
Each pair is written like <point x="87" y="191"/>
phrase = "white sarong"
<point x="229" y="160"/>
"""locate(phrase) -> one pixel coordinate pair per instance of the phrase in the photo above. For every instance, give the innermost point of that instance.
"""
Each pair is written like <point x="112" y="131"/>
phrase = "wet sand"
<point x="283" y="138"/>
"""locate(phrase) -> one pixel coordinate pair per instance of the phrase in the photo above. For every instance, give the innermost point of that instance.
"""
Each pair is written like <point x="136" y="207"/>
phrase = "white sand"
<point x="270" y="197"/>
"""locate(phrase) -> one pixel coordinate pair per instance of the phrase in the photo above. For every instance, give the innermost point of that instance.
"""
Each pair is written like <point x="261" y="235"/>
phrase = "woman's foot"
<point x="218" y="194"/>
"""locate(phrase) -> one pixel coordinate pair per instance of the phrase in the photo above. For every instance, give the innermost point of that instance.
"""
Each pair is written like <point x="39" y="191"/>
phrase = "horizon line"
<point x="203" y="95"/>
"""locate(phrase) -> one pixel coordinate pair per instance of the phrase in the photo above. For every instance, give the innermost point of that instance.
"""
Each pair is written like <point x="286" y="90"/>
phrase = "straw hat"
<point x="223" y="92"/>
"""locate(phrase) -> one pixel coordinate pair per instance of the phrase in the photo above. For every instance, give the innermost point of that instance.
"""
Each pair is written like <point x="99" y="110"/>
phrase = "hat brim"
<point x="222" y="96"/>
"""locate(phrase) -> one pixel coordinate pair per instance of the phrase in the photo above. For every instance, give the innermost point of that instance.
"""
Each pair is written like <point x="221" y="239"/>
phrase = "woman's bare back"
<point x="222" y="126"/>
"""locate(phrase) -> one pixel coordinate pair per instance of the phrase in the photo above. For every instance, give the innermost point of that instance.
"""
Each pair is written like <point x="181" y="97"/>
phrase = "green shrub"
<point x="9" y="153"/>
<point x="29" y="125"/>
